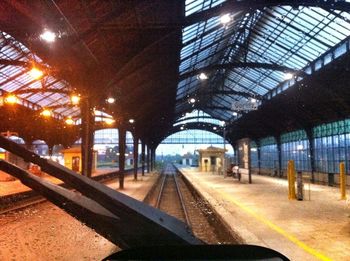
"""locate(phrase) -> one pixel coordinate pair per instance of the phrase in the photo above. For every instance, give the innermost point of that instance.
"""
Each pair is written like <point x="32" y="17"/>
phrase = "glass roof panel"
<point x="14" y="78"/>
<point x="289" y="36"/>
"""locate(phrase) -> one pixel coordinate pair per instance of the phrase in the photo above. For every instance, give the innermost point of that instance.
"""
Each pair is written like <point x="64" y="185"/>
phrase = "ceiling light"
<point x="224" y="19"/>
<point x="253" y="100"/>
<point x="288" y="76"/>
<point x="214" y="128"/>
<point x="11" y="99"/>
<point x="36" y="73"/>
<point x="234" y="113"/>
<point x="131" y="121"/>
<point x="46" y="113"/>
<point x="192" y="100"/>
<point x="75" y="99"/>
<point x="110" y="100"/>
<point x="69" y="121"/>
<point x="202" y="76"/>
<point x="48" y="36"/>
<point x="109" y="121"/>
<point x="182" y="127"/>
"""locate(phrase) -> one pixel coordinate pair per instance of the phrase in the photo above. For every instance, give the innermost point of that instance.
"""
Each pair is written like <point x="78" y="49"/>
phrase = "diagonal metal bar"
<point x="140" y="224"/>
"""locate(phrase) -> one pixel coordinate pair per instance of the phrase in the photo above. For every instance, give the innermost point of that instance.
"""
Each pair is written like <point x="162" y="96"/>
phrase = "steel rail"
<point x="161" y="192"/>
<point x="188" y="222"/>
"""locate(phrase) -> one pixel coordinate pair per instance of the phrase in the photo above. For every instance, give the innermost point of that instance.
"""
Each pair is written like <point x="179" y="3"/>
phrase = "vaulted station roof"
<point x="149" y="55"/>
<point x="253" y="52"/>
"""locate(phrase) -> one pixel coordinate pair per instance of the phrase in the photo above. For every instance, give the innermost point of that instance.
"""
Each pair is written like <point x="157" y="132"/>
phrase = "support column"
<point x="259" y="156"/>
<point x="152" y="159"/>
<point x="122" y="134"/>
<point x="310" y="139"/>
<point x="148" y="159"/>
<point x="249" y="163"/>
<point x="136" y="155"/>
<point x="279" y="153"/>
<point x="87" y="136"/>
<point x="143" y="148"/>
<point x="50" y="150"/>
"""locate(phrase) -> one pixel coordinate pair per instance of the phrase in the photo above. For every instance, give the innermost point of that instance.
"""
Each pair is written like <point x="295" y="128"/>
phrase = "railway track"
<point x="165" y="200"/>
<point x="174" y="196"/>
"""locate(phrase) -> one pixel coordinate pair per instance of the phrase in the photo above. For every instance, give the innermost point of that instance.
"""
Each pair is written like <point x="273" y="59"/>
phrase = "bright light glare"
<point x="69" y="121"/>
<point x="202" y="76"/>
<point x="225" y="19"/>
<point x="131" y="121"/>
<point x="46" y="113"/>
<point x="11" y="99"/>
<point x="288" y="76"/>
<point x="300" y="147"/>
<point x="192" y="100"/>
<point x="253" y="100"/>
<point x="214" y="128"/>
<point x="109" y="121"/>
<point x="36" y="73"/>
<point x="222" y="123"/>
<point x="48" y="36"/>
<point x="75" y="99"/>
<point x="182" y="127"/>
<point x="234" y="113"/>
<point x="110" y="100"/>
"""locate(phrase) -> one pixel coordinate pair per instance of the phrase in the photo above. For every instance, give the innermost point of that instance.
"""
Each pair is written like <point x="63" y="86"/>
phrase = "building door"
<point x="75" y="163"/>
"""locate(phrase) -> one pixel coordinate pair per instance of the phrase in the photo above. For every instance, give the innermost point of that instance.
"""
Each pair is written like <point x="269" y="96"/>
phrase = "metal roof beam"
<point x="232" y="65"/>
<point x="239" y="5"/>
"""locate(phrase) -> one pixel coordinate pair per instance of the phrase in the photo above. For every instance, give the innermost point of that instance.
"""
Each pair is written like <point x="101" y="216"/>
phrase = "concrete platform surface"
<point x="46" y="232"/>
<point x="12" y="187"/>
<point x="316" y="229"/>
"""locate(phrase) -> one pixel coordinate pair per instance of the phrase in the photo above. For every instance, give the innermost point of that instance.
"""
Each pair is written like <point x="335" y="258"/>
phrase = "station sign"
<point x="244" y="106"/>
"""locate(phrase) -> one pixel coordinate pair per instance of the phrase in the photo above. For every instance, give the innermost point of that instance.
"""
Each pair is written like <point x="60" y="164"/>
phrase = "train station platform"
<point x="13" y="187"/>
<point x="261" y="213"/>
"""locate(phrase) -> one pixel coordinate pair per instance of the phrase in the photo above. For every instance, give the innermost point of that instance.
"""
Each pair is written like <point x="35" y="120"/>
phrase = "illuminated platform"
<point x="316" y="229"/>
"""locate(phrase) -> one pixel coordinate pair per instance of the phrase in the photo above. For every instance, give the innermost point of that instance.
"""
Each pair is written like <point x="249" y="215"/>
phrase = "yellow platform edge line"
<point x="278" y="229"/>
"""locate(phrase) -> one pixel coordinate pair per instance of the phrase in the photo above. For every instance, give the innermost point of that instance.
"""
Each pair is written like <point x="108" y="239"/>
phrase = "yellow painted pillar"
<point x="342" y="180"/>
<point x="291" y="180"/>
<point x="288" y="177"/>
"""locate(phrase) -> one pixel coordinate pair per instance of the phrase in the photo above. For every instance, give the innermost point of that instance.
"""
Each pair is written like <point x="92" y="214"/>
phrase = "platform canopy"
<point x="159" y="60"/>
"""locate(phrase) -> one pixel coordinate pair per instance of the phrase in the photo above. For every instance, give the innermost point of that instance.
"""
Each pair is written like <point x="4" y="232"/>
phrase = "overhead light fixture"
<point x="288" y="76"/>
<point x="48" y="36"/>
<point x="253" y="100"/>
<point x="182" y="127"/>
<point x="234" y="113"/>
<point x="46" y="113"/>
<point x="75" y="99"/>
<point x="226" y="18"/>
<point x="110" y="100"/>
<point x="11" y="99"/>
<point x="222" y="123"/>
<point x="36" y="73"/>
<point x="109" y="121"/>
<point x="192" y="100"/>
<point x="214" y="128"/>
<point x="69" y="121"/>
<point x="131" y="121"/>
<point x="300" y="147"/>
<point x="202" y="76"/>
